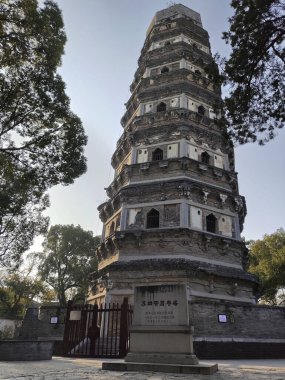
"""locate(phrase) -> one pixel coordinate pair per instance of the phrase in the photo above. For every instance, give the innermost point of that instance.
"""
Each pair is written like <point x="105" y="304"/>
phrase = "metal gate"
<point x="98" y="332"/>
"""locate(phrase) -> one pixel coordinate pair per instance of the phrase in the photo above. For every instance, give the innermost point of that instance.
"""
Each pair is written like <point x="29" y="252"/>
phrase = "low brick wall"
<point x="248" y="331"/>
<point x="37" y="323"/>
<point x="243" y="320"/>
<point x="20" y="350"/>
<point x="239" y="350"/>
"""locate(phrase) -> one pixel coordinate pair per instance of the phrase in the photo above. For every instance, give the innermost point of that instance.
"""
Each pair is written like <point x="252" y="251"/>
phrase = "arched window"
<point x="205" y="158"/>
<point x="112" y="227"/>
<point x="152" y="219"/>
<point x="211" y="222"/>
<point x="118" y="221"/>
<point x="161" y="107"/>
<point x="167" y="43"/>
<point x="201" y="110"/>
<point x="198" y="72"/>
<point x="164" y="70"/>
<point x="157" y="155"/>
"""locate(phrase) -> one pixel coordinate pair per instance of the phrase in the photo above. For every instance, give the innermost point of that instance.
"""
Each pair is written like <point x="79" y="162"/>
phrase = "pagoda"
<point x="174" y="213"/>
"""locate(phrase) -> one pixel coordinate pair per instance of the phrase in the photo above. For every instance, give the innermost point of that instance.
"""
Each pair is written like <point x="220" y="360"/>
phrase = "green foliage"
<point x="17" y="293"/>
<point x="69" y="259"/>
<point x="255" y="70"/>
<point x="267" y="261"/>
<point x="21" y="207"/>
<point x="6" y="333"/>
<point x="20" y="288"/>
<point x="41" y="140"/>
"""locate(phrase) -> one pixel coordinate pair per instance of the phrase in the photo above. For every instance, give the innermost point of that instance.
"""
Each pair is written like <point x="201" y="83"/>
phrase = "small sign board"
<point x="75" y="315"/>
<point x="53" y="320"/>
<point x="222" y="318"/>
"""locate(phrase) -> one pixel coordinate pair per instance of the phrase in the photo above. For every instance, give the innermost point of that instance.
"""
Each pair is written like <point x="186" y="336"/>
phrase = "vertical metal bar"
<point x="123" y="328"/>
<point x="73" y="325"/>
<point x="77" y="330"/>
<point x="72" y="334"/>
<point x="99" y="337"/>
<point x="86" y="337"/>
<point x="94" y="330"/>
<point x="112" y="329"/>
<point x="88" y="330"/>
<point x="81" y="331"/>
<point x="103" y="326"/>
<point x="130" y="321"/>
<point x="107" y="330"/>
<point x="89" y="327"/>
<point x="66" y="333"/>
<point x="90" y="315"/>
<point x="84" y="332"/>
<point x="116" y="329"/>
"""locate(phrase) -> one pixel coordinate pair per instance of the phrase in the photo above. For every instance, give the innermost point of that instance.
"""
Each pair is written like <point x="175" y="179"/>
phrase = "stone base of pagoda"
<point x="201" y="369"/>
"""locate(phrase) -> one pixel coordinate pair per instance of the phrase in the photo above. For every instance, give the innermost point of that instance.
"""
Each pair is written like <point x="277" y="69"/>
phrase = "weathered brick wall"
<point x="244" y="320"/>
<point x="25" y="350"/>
<point x="251" y="331"/>
<point x="37" y="323"/>
<point x="239" y="350"/>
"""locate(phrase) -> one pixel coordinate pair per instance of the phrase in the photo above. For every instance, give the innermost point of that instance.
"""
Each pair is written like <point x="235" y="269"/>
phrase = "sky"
<point x="104" y="42"/>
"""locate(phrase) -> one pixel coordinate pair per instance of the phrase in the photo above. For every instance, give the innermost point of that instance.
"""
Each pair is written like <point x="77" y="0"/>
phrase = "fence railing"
<point x="92" y="331"/>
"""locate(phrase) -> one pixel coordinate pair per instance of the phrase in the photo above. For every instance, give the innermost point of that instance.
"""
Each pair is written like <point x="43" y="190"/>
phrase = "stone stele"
<point x="161" y="332"/>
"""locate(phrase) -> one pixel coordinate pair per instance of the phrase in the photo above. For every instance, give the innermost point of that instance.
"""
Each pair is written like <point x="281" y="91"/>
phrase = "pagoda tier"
<point x="174" y="213"/>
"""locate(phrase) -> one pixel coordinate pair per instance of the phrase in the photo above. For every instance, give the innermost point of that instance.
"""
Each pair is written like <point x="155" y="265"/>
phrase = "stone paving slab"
<point x="89" y="369"/>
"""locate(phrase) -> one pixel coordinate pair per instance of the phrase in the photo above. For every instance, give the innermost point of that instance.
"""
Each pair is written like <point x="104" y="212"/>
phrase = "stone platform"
<point x="24" y="350"/>
<point x="201" y="369"/>
<point x="90" y="369"/>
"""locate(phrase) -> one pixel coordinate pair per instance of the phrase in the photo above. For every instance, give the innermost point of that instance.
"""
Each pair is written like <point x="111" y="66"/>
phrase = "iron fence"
<point x="101" y="332"/>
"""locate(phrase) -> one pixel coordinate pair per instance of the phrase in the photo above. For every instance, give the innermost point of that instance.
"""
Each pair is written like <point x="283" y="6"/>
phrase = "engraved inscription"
<point x="161" y="305"/>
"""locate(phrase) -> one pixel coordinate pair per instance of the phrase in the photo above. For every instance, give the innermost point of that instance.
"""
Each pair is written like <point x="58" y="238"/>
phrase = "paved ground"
<point x="87" y="369"/>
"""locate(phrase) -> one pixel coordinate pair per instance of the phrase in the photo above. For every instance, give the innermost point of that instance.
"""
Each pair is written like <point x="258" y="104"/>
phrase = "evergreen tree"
<point x="267" y="261"/>
<point x="255" y="70"/>
<point x="20" y="288"/>
<point x="41" y="140"/>
<point x="69" y="257"/>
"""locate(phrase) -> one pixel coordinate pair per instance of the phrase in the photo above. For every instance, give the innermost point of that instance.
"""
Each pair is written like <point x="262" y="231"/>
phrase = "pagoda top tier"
<point x="176" y="11"/>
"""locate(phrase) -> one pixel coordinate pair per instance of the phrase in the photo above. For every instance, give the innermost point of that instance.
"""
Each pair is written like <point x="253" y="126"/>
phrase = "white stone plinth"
<point x="161" y="332"/>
